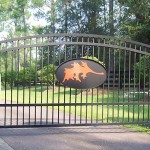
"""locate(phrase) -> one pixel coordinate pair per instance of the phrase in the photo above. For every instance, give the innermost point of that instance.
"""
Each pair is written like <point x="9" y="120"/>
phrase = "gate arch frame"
<point x="65" y="35"/>
<point x="73" y="39"/>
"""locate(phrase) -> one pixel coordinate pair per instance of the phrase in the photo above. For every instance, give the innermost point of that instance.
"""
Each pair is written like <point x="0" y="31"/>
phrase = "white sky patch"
<point x="34" y="55"/>
<point x="6" y="26"/>
<point x="34" y="22"/>
<point x="3" y="35"/>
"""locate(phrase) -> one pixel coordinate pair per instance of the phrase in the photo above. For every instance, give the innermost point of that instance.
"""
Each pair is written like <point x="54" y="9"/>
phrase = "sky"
<point x="32" y="21"/>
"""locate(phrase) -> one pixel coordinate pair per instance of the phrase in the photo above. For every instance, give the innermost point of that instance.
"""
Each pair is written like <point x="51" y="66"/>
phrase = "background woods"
<point x="128" y="19"/>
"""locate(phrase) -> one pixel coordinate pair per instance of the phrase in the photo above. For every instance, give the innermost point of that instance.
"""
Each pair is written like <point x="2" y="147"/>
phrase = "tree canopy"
<point x="127" y="18"/>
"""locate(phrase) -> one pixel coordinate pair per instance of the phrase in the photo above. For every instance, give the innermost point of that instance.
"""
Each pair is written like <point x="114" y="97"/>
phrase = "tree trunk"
<point x="111" y="17"/>
<point x="25" y="34"/>
<point x="111" y="27"/>
<point x="53" y="15"/>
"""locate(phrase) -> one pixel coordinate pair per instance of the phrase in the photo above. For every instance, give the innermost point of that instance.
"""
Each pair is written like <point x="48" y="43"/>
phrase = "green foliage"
<point x="37" y="3"/>
<point x="73" y="16"/>
<point x="47" y="74"/>
<point x="9" y="78"/>
<point x="141" y="128"/>
<point x="95" y="59"/>
<point x="142" y="69"/>
<point x="135" y="20"/>
<point x="14" y="16"/>
<point x="26" y="75"/>
<point x="46" y="54"/>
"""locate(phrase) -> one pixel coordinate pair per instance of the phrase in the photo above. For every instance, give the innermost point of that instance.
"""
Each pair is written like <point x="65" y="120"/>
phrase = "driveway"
<point x="73" y="138"/>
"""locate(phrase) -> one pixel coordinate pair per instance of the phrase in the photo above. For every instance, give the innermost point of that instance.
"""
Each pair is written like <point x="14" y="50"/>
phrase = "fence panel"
<point x="32" y="96"/>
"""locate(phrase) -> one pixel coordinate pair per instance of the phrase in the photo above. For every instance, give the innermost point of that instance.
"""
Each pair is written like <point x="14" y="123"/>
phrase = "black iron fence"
<point x="32" y="96"/>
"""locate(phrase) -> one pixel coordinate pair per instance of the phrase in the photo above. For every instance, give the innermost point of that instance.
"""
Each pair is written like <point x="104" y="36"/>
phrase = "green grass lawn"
<point x="139" y="128"/>
<point x="103" y="113"/>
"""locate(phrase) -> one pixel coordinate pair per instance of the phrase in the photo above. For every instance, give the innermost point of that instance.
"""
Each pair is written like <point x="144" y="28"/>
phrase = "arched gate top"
<point x="74" y="39"/>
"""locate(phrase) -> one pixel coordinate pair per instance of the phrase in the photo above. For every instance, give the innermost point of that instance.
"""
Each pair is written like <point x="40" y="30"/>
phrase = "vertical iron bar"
<point x="92" y="108"/>
<point x="31" y="71"/>
<point x="114" y="82"/>
<point x="42" y="68"/>
<point x="75" y="118"/>
<point x="81" y="107"/>
<point x="93" y="54"/>
<point x="86" y="106"/>
<point x="53" y="100"/>
<point x="103" y="88"/>
<point x="58" y="101"/>
<point x="64" y="116"/>
<point x="120" y="84"/>
<point x="59" y="51"/>
<point x="18" y="70"/>
<point x="70" y="107"/>
<point x="81" y="100"/>
<point x="134" y="84"/>
<point x="47" y="83"/>
<point x="70" y="88"/>
<point x="97" y="95"/>
<point x="11" y="84"/>
<point x="6" y="65"/>
<point x="108" y="86"/>
<point x="87" y="89"/>
<point x="124" y="83"/>
<point x="24" y="82"/>
<point x="35" y="116"/>
<point x="129" y="76"/>
<point x="76" y="89"/>
<point x="144" y="65"/>
<point x="139" y="87"/>
<point x="82" y="50"/>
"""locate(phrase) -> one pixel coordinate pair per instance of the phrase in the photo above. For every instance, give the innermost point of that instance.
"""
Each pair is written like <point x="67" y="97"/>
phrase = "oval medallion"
<point x="81" y="73"/>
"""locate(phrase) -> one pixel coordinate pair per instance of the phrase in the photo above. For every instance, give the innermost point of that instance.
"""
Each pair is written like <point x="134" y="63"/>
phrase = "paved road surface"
<point x="73" y="138"/>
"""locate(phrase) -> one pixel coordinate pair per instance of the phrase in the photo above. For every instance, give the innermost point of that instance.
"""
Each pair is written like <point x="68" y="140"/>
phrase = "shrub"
<point x="9" y="78"/>
<point x="95" y="59"/>
<point x="26" y="75"/>
<point x="142" y="69"/>
<point x="47" y="74"/>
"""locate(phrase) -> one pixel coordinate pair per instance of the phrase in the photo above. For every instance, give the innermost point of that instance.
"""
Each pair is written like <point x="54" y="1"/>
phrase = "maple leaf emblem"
<point x="78" y="69"/>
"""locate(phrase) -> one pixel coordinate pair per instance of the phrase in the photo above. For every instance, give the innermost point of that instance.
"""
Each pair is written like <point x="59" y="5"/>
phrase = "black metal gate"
<point x="32" y="96"/>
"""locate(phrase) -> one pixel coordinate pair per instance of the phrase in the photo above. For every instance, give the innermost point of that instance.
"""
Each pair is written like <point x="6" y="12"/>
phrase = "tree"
<point x="46" y="9"/>
<point x="136" y="20"/>
<point x="9" y="78"/>
<point x="47" y="74"/>
<point x="26" y="75"/>
<point x="5" y="8"/>
<point x="142" y="69"/>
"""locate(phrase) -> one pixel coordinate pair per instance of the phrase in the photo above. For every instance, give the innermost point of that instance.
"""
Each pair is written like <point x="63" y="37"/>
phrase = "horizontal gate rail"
<point x="50" y="39"/>
<point x="87" y="124"/>
<point x="76" y="36"/>
<point x="76" y="104"/>
<point x="76" y="43"/>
